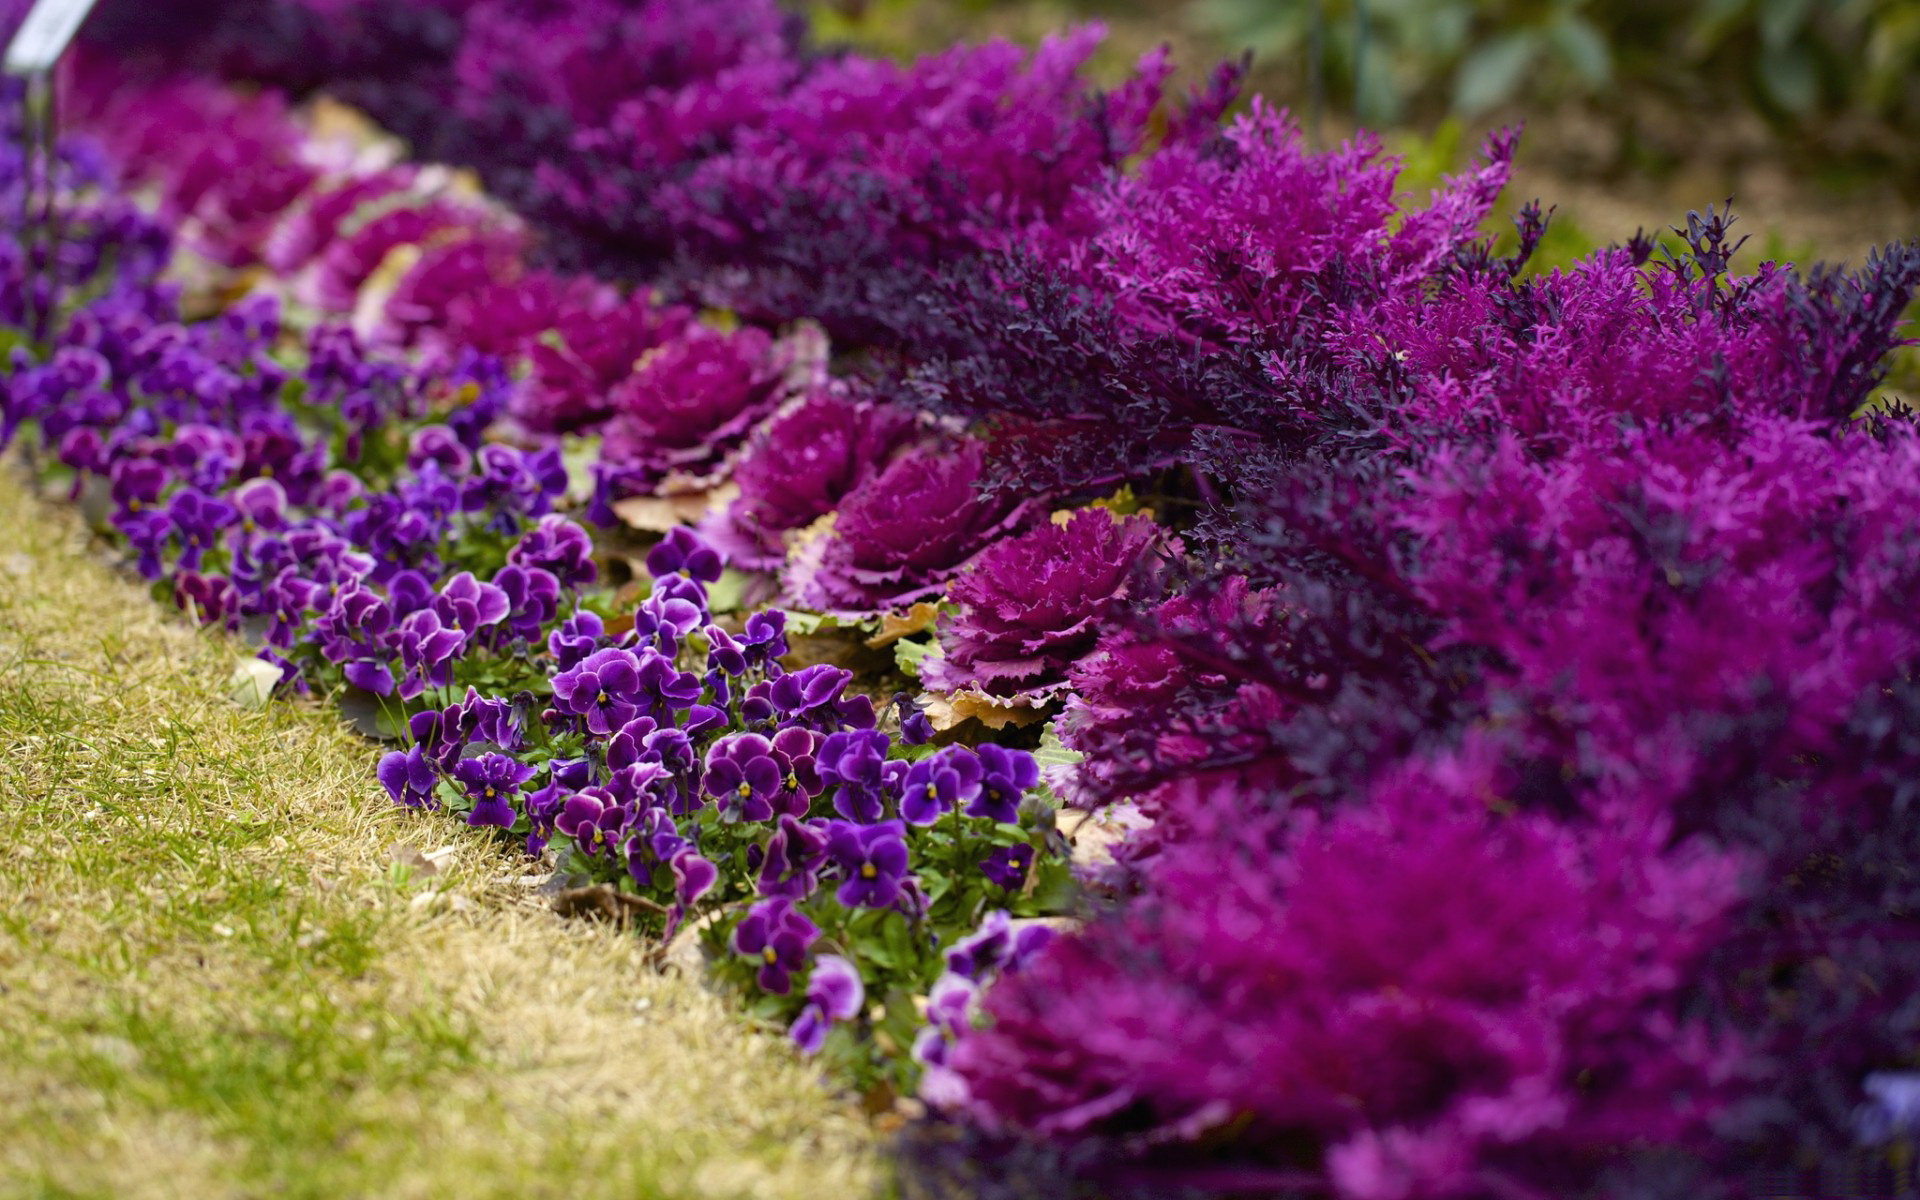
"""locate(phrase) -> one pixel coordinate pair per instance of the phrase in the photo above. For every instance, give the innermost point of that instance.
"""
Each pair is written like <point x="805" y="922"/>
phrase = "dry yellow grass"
<point x="215" y="981"/>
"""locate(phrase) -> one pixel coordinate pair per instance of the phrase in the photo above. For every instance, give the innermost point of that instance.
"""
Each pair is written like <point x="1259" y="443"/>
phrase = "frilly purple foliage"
<point x="1032" y="606"/>
<point x="799" y="467"/>
<point x="902" y="534"/>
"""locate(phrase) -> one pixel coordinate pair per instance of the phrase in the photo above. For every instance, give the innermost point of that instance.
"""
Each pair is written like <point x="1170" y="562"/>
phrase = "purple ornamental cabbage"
<point x="798" y="468"/>
<point x="690" y="403"/>
<point x="1033" y="605"/>
<point x="901" y="535"/>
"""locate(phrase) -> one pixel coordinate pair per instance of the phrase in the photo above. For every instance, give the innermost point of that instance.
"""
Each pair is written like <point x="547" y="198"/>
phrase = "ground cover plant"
<point x="1505" y="676"/>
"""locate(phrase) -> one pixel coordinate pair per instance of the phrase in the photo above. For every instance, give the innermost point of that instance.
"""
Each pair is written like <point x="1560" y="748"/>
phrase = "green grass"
<point x="216" y="980"/>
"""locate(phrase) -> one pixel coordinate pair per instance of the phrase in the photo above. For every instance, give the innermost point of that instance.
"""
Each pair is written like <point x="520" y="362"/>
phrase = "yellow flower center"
<point x="266" y="472"/>
<point x="489" y="793"/>
<point x="793" y="782"/>
<point x="933" y="793"/>
<point x="603" y="698"/>
<point x="867" y="871"/>
<point x="769" y="955"/>
<point x="746" y="789"/>
<point x="133" y="505"/>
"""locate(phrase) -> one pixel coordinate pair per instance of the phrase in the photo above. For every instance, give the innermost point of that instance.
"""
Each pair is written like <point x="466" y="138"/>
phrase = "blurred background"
<point x="1805" y="112"/>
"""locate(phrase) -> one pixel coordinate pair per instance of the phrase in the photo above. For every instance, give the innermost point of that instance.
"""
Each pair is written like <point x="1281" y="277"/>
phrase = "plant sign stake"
<point x="33" y="54"/>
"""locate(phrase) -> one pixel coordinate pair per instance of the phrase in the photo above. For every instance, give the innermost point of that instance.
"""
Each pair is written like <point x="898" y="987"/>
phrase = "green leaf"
<point x="1492" y="73"/>
<point x="1583" y="48"/>
<point x="727" y="593"/>
<point x="907" y="655"/>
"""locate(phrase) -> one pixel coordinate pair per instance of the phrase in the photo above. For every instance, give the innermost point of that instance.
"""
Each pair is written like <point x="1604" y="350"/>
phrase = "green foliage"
<point x="1385" y="59"/>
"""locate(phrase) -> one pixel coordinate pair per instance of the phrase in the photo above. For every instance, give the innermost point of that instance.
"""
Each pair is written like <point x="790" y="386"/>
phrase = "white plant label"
<point x="45" y="35"/>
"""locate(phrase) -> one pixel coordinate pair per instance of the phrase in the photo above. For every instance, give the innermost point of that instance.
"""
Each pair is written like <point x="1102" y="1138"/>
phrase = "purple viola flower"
<point x="542" y="805"/>
<point x="576" y="638"/>
<point x="337" y="492"/>
<point x="853" y="763"/>
<point x="558" y="545"/>
<point x="834" y="993"/>
<point x="198" y="519"/>
<point x="212" y="599"/>
<point x="950" y="1003"/>
<point x="764" y="640"/>
<point x="427" y="651"/>
<point x="661" y="621"/>
<point x="604" y="689"/>
<point x="744" y="774"/>
<point x="814" y="696"/>
<point x="492" y="781"/>
<point x="409" y="592"/>
<point x="778" y="936"/>
<point x="1008" y="866"/>
<point x="665" y="689"/>
<point x="693" y="877"/>
<point x="353" y="631"/>
<point x="641" y="785"/>
<point x="495" y="720"/>
<point x="684" y="552"/>
<point x="794" y="856"/>
<point x="135" y="483"/>
<point x="915" y="728"/>
<point x="533" y="599"/>
<point x="262" y="505"/>
<point x="936" y="786"/>
<point x="594" y="819"/>
<point x="997" y="946"/>
<point x="469" y="605"/>
<point x="873" y="861"/>
<point x="440" y="445"/>
<point x="408" y="777"/>
<point x="1005" y="777"/>
<point x="148" y="531"/>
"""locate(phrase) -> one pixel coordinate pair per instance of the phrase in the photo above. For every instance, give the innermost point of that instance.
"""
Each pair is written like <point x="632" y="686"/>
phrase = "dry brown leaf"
<point x="1095" y="834"/>
<point x="663" y="514"/>
<point x="949" y="711"/>
<point x="601" y="902"/>
<point x="894" y="626"/>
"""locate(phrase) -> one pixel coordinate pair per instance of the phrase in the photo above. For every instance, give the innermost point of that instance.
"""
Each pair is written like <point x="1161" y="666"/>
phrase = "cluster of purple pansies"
<point x="1510" y="678"/>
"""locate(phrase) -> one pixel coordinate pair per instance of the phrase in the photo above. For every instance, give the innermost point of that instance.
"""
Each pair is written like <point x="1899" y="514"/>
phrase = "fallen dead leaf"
<point x="411" y="858"/>
<point x="601" y="902"/>
<point x="894" y="626"/>
<point x="952" y="710"/>
<point x="663" y="514"/>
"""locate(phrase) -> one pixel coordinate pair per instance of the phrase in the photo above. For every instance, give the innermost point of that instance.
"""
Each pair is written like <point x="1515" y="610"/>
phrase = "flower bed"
<point x="1507" y="678"/>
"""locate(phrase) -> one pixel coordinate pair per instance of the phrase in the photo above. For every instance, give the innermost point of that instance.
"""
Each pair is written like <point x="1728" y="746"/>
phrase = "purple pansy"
<point x="1008" y="866"/>
<point x="469" y="605"/>
<point x="558" y="545"/>
<point x="938" y="785"/>
<point x="794" y="856"/>
<point x="834" y="993"/>
<point x="776" y="935"/>
<point x="408" y="777"/>
<point x="427" y="651"/>
<point x="1005" y="776"/>
<point x="873" y="862"/>
<point x="604" y="690"/>
<point x="492" y="782"/>
<point x="593" y="819"/>
<point x="575" y="638"/>
<point x="684" y="552"/>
